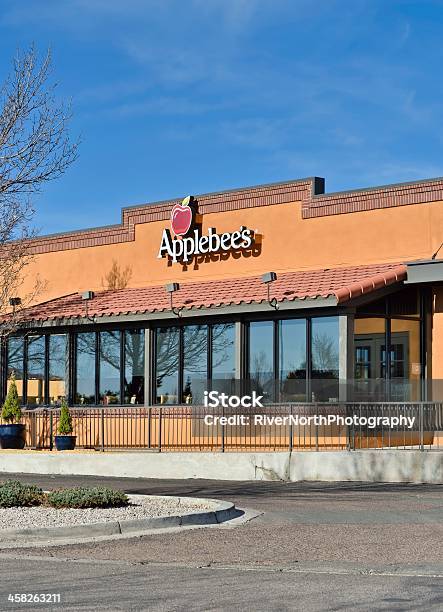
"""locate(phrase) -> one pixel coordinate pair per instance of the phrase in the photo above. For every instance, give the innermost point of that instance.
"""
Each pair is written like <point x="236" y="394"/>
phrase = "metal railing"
<point x="277" y="427"/>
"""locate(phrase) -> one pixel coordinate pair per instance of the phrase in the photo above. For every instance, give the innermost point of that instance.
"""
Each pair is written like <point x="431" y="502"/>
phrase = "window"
<point x="15" y="362"/>
<point x="292" y="359"/>
<point x="85" y="370"/>
<point x="278" y="357"/>
<point x="223" y="358"/>
<point x="195" y="357"/>
<point x="223" y="351"/>
<point x="110" y="358"/>
<point x="261" y="358"/>
<point x="36" y="370"/>
<point x="195" y="363"/>
<point x="325" y="358"/>
<point x="167" y="361"/>
<point x="405" y="360"/>
<point x="58" y="368"/>
<point x="363" y="362"/>
<point x="382" y="375"/>
<point x="134" y="384"/>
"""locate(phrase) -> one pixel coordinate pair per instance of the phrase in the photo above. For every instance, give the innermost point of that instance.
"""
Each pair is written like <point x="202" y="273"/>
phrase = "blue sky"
<point x="177" y="97"/>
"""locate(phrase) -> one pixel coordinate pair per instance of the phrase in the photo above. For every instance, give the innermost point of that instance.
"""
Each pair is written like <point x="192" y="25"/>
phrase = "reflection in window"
<point x="85" y="374"/>
<point x="223" y="358"/>
<point x="292" y="359"/>
<point x="363" y="362"/>
<point x="396" y="359"/>
<point x="325" y="358"/>
<point x="195" y="363"/>
<point x="15" y="362"/>
<point x="134" y="366"/>
<point x="223" y="351"/>
<point x="110" y="367"/>
<point x="36" y="370"/>
<point x="58" y="368"/>
<point x="261" y="358"/>
<point x="167" y="364"/>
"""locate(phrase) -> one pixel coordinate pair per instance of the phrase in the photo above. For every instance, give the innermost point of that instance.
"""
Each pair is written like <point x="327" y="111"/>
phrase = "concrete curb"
<point x="223" y="511"/>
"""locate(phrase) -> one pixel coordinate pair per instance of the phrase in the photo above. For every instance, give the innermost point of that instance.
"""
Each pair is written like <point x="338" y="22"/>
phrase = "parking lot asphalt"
<point x="364" y="546"/>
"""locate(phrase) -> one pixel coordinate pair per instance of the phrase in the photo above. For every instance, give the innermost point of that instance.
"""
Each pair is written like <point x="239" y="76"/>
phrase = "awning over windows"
<point x="324" y="287"/>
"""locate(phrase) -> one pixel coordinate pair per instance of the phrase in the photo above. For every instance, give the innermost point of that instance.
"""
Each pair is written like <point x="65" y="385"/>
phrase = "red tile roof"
<point x="342" y="283"/>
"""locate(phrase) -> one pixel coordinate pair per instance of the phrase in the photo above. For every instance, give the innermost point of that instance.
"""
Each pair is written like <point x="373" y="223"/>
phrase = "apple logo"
<point x="181" y="217"/>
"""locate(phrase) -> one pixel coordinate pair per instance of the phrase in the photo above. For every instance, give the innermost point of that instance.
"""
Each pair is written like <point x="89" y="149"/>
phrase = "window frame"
<point x="240" y="321"/>
<point x="276" y="349"/>
<point x="209" y="353"/>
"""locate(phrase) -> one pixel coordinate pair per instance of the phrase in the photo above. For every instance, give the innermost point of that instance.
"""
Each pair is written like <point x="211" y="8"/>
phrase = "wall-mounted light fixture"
<point x="14" y="302"/>
<point x="86" y="297"/>
<point x="171" y="288"/>
<point x="267" y="279"/>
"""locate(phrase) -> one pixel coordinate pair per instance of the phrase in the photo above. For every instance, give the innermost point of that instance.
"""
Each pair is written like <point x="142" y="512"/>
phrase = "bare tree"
<point x="35" y="148"/>
<point x="325" y="353"/>
<point x="117" y="278"/>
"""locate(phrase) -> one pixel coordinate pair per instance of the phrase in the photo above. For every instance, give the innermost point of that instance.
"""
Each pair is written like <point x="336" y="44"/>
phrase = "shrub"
<point x="65" y="423"/>
<point x="11" y="411"/>
<point x="84" y="497"/>
<point x="14" y="493"/>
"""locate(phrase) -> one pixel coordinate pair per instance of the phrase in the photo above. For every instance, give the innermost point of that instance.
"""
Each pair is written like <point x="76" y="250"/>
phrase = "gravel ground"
<point x="140" y="507"/>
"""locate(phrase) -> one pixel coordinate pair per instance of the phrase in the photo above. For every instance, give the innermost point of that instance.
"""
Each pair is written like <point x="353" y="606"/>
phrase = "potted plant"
<point x="13" y="434"/>
<point x="65" y="440"/>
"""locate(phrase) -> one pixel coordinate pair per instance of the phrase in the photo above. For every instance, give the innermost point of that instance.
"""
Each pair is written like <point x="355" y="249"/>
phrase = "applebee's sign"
<point x="188" y="242"/>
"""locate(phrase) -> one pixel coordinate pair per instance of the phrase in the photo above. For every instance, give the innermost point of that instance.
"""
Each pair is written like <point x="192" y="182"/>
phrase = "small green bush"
<point x="11" y="411"/>
<point x="14" y="493"/>
<point x="65" y="422"/>
<point x="84" y="497"/>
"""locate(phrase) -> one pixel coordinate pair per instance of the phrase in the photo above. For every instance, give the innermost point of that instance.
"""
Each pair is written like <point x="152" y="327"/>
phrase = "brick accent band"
<point x="304" y="191"/>
<point x="389" y="196"/>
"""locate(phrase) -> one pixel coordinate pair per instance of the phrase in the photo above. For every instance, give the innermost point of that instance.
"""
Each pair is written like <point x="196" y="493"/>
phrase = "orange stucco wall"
<point x="288" y="243"/>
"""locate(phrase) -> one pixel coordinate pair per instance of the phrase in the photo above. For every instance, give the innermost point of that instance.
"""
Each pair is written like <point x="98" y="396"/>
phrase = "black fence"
<point x="277" y="427"/>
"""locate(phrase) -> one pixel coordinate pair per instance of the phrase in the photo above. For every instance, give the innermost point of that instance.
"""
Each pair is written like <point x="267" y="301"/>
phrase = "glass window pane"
<point x="36" y="370"/>
<point x="167" y="364"/>
<point x="223" y="351"/>
<point x="363" y="368"/>
<point x="110" y="367"/>
<point x="85" y="375"/>
<point x="405" y="370"/>
<point x="58" y="368"/>
<point x="15" y="362"/>
<point x="261" y="358"/>
<point x="325" y="358"/>
<point x="292" y="359"/>
<point x="369" y="356"/>
<point x="223" y="358"/>
<point x="134" y="366"/>
<point x="195" y="363"/>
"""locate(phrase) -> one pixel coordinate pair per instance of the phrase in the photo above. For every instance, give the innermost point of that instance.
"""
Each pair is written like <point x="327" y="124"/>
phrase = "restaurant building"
<point x="305" y="296"/>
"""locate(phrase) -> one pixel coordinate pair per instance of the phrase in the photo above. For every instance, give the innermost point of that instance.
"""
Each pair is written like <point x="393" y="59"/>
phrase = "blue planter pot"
<point x="13" y="436"/>
<point x="65" y="442"/>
